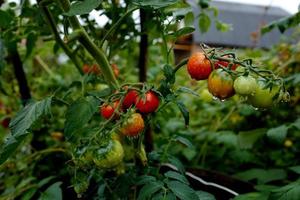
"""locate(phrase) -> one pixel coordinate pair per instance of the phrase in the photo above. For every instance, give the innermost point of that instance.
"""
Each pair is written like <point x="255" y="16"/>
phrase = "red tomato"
<point x="198" y="66"/>
<point x="86" y="69"/>
<point x="95" y="69"/>
<point x="224" y="64"/>
<point x="149" y="103"/>
<point x="108" y="110"/>
<point x="130" y="99"/>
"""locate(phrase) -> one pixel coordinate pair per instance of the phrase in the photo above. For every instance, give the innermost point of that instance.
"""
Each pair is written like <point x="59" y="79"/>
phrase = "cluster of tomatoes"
<point x="94" y="69"/>
<point x="143" y="104"/>
<point x="227" y="77"/>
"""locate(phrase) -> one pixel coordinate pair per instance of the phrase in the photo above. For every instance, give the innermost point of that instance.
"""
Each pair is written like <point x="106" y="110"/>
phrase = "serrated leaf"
<point x="82" y="7"/>
<point x="155" y="4"/>
<point x="21" y="123"/>
<point x="78" y="114"/>
<point x="182" y="191"/>
<point x="176" y="176"/>
<point x="149" y="189"/>
<point x="184" y="111"/>
<point x="52" y="192"/>
<point x="204" y="22"/>
<point x="278" y="134"/>
<point x="247" y="139"/>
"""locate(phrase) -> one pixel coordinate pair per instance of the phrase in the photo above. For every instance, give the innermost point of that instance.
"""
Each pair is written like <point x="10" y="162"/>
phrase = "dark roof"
<point x="245" y="19"/>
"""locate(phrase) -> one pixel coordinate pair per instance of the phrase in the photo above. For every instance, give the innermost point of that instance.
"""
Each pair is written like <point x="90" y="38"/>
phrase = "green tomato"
<point x="206" y="96"/>
<point x="245" y="85"/>
<point x="263" y="97"/>
<point x="109" y="156"/>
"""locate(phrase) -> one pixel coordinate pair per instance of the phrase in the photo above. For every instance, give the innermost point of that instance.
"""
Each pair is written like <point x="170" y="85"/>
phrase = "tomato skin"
<point x="263" y="98"/>
<point x="130" y="99"/>
<point x="5" y="122"/>
<point x="198" y="66"/>
<point x="206" y="96"/>
<point x="245" y="85"/>
<point x="109" y="156"/>
<point x="86" y="69"/>
<point x="133" y="126"/>
<point x="148" y="104"/>
<point x="224" y="63"/>
<point x="115" y="69"/>
<point x="108" y="110"/>
<point x="95" y="69"/>
<point x="220" y="84"/>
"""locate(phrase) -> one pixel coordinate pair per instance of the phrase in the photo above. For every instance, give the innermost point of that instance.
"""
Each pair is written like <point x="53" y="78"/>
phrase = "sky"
<point x="288" y="5"/>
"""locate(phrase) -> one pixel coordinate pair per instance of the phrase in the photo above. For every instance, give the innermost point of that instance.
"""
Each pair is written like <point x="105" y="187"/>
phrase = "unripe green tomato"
<point x="263" y="98"/>
<point x="245" y="85"/>
<point x="109" y="156"/>
<point x="206" y="96"/>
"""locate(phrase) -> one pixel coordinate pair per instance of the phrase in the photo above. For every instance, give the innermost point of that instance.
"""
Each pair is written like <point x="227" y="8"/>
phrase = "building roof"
<point x="246" y="19"/>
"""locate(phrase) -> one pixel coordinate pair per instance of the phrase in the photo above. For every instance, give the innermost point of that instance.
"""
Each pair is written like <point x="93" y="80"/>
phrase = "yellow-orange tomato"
<point x="220" y="84"/>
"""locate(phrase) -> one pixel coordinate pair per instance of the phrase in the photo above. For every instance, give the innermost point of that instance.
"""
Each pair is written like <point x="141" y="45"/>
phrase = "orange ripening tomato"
<point x="133" y="126"/>
<point x="220" y="84"/>
<point x="86" y="69"/>
<point x="198" y="66"/>
<point x="115" y="69"/>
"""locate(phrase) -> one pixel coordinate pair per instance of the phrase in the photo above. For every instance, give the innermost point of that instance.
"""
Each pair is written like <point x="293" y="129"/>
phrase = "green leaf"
<point x="29" y="194"/>
<point x="278" y="134"/>
<point x="155" y="4"/>
<point x="184" y="141"/>
<point x="82" y="7"/>
<point x="21" y="123"/>
<point x="149" y="189"/>
<point x="189" y="19"/>
<point x="296" y="124"/>
<point x="263" y="176"/>
<point x="45" y="181"/>
<point x="181" y="190"/>
<point x="204" y="4"/>
<point x="204" y="22"/>
<point x="169" y="74"/>
<point x="52" y="192"/>
<point x="185" y="113"/>
<point x="30" y="42"/>
<point x="5" y="19"/>
<point x="78" y="114"/>
<point x="288" y="192"/>
<point x="295" y="169"/>
<point x="176" y="176"/>
<point x="252" y="196"/>
<point x="205" y="195"/>
<point x="188" y="91"/>
<point x="223" y="27"/>
<point x="247" y="139"/>
<point x="145" y="179"/>
<point x="184" y="31"/>
<point x="176" y="162"/>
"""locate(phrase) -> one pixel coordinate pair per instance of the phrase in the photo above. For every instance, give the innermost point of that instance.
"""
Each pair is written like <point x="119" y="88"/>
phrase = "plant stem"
<point x="181" y="64"/>
<point x="67" y="50"/>
<point x="90" y="46"/>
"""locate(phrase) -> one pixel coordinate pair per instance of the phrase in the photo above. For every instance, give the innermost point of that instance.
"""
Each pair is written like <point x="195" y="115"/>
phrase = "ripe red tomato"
<point x="95" y="69"/>
<point x="108" y="110"/>
<point x="147" y="104"/>
<point x="86" y="69"/>
<point x="133" y="126"/>
<point x="220" y="84"/>
<point x="198" y="66"/>
<point x="130" y="99"/>
<point x="224" y="63"/>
